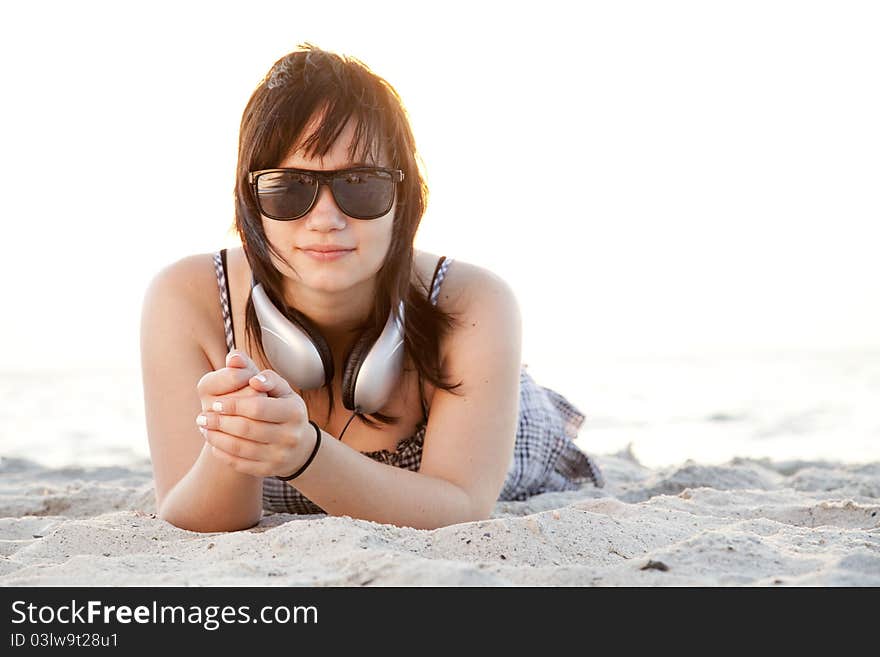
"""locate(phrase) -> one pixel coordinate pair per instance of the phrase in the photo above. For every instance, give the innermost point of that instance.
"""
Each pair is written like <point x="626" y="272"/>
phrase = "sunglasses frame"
<point x="324" y="178"/>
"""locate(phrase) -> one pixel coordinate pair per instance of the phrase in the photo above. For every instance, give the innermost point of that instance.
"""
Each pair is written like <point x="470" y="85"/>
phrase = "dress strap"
<point x="437" y="280"/>
<point x="220" y="269"/>
<point x="433" y="294"/>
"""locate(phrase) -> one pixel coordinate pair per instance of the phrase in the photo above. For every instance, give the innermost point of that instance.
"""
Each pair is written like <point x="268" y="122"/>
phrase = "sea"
<point x="663" y="409"/>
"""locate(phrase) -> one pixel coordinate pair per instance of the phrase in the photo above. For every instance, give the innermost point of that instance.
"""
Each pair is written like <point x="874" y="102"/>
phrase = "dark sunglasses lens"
<point x="285" y="195"/>
<point x="364" y="194"/>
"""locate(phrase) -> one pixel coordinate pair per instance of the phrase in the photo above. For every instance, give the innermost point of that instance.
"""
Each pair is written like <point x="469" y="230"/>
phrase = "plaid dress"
<point x="544" y="458"/>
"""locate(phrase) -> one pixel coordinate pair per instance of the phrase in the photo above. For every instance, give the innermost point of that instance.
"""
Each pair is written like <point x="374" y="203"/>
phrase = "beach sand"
<point x="745" y="523"/>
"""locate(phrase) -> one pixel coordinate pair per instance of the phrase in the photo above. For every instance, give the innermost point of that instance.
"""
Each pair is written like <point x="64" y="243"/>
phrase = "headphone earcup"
<point x="352" y="366"/>
<point x="293" y="345"/>
<point x="374" y="366"/>
<point x="317" y="339"/>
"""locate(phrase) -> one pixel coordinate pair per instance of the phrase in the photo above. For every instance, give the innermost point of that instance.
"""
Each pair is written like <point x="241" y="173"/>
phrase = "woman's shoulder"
<point x="187" y="278"/>
<point x="483" y="304"/>
<point x="187" y="290"/>
<point x="465" y="284"/>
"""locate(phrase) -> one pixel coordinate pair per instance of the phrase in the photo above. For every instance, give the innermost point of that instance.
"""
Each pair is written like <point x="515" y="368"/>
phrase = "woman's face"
<point x="365" y="241"/>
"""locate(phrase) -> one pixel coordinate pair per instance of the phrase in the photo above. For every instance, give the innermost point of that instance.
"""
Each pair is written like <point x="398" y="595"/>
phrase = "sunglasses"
<point x="360" y="192"/>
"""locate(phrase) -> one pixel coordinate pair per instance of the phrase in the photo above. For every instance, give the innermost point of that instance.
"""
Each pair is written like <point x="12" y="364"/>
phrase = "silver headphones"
<point x="298" y="352"/>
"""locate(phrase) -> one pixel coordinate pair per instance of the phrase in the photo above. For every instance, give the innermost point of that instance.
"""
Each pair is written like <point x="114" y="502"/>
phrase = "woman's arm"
<point x="469" y="438"/>
<point x="194" y="490"/>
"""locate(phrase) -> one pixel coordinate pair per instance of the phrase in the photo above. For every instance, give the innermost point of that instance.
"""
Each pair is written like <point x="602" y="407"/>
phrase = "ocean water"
<point x="715" y="407"/>
<point x="666" y="409"/>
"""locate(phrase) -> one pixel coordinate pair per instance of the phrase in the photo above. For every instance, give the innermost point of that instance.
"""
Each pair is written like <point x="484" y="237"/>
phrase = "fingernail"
<point x="204" y="432"/>
<point x="261" y="378"/>
<point x="201" y="420"/>
<point x="217" y="406"/>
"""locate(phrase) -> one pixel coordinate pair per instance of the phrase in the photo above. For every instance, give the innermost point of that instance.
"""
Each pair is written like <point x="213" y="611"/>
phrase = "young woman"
<point x="326" y="365"/>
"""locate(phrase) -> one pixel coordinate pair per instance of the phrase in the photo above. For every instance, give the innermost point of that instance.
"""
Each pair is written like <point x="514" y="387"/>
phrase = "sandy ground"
<point x="748" y="522"/>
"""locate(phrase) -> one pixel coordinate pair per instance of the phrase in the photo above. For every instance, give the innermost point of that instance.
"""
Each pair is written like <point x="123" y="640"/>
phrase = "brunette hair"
<point x="310" y="82"/>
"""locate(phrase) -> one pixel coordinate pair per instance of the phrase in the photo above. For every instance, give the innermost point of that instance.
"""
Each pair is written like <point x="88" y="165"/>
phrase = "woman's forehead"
<point x="331" y="161"/>
<point x="350" y="149"/>
<point x="340" y="156"/>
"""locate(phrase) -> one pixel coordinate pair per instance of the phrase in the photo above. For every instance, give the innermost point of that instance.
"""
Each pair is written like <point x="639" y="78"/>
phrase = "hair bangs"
<point x="365" y="146"/>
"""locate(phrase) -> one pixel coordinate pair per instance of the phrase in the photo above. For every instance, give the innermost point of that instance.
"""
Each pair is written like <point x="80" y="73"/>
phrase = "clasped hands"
<point x="253" y="420"/>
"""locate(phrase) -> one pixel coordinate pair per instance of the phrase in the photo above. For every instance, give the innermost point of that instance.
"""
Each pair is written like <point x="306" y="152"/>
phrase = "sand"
<point x="745" y="523"/>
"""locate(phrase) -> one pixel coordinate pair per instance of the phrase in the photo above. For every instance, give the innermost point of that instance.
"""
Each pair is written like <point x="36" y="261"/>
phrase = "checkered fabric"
<point x="220" y="270"/>
<point x="544" y="458"/>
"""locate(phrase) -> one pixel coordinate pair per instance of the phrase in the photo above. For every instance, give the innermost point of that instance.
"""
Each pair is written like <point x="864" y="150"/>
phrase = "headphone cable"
<point x="347" y="423"/>
<point x="342" y="433"/>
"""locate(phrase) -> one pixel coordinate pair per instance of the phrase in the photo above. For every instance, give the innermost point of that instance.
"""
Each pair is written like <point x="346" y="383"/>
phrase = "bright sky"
<point x="647" y="176"/>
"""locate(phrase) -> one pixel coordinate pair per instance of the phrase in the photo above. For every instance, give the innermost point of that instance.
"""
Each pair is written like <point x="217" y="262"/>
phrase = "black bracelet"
<point x="310" y="459"/>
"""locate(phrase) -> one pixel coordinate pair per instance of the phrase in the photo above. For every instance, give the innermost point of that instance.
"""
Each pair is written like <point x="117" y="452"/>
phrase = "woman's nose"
<point x="325" y="214"/>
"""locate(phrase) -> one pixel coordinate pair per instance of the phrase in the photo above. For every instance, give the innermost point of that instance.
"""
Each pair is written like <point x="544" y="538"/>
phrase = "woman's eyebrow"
<point x="351" y="165"/>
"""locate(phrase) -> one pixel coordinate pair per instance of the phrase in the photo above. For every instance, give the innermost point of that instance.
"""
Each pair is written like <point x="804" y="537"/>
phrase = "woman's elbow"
<point x="481" y="510"/>
<point x="207" y="525"/>
<point x="477" y="508"/>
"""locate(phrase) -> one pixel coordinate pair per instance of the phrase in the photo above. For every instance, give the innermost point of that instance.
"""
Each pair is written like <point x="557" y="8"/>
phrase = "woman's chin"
<point x="329" y="283"/>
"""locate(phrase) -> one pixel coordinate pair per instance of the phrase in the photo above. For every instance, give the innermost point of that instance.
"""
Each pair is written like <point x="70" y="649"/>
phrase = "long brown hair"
<point x="310" y="82"/>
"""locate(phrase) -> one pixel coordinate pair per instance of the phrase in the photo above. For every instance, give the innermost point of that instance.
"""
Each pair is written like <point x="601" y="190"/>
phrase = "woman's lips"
<point x="326" y="256"/>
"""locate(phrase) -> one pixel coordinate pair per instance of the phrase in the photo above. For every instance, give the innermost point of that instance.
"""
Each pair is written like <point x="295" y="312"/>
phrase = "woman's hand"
<point x="261" y="427"/>
<point x="230" y="380"/>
